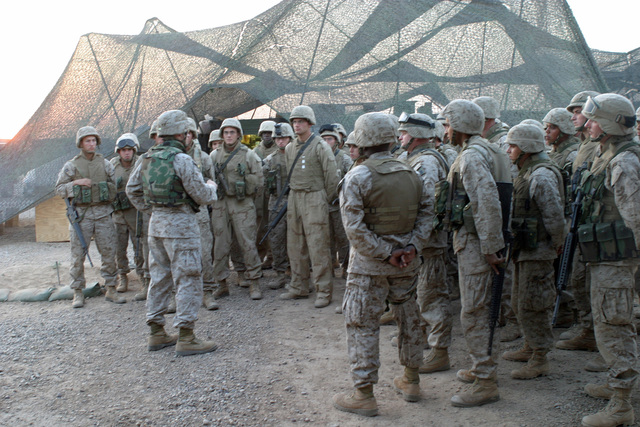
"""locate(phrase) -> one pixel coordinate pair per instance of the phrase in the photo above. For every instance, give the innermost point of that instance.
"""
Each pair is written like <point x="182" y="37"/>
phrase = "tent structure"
<point x="342" y="57"/>
<point x="621" y="71"/>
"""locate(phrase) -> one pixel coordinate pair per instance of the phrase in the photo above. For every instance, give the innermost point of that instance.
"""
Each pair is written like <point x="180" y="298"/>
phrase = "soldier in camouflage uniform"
<point x="313" y="183"/>
<point x="168" y="183"/>
<point x="559" y="136"/>
<point x="265" y="148"/>
<point x="538" y="203"/>
<point x="275" y="173"/>
<point x="339" y="242"/>
<point x="495" y="131"/>
<point x="239" y="176"/>
<point x="88" y="180"/>
<point x="608" y="237"/>
<point x="205" y="165"/>
<point x="418" y="132"/>
<point x="581" y="336"/>
<point x="476" y="217"/>
<point x="125" y="217"/>
<point x="388" y="220"/>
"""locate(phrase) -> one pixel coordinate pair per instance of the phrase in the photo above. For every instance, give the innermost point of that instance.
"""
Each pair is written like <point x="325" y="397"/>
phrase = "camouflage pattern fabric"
<point x="278" y="236"/>
<point x="434" y="302"/>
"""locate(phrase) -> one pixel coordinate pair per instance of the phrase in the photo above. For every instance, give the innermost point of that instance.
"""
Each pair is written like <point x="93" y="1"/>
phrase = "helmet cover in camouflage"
<point x="464" y="116"/>
<point x="232" y="123"/>
<point x="193" y="127"/>
<point x="173" y="122"/>
<point x="283" y="130"/>
<point x="303" y="112"/>
<point x="351" y="139"/>
<point x="266" y="126"/>
<point x="417" y="125"/>
<point x="529" y="138"/>
<point x="532" y="122"/>
<point x="214" y="136"/>
<point x="153" y="132"/>
<point x="560" y="117"/>
<point x="580" y="98"/>
<point x="372" y="129"/>
<point x="87" y="131"/>
<point x="614" y="113"/>
<point x="341" y="130"/>
<point x="129" y="140"/>
<point x="489" y="105"/>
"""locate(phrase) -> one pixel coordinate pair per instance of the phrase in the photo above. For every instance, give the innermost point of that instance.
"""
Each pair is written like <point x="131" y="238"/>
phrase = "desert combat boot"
<point x="254" y="289"/>
<point x="159" y="339"/>
<point x="617" y="412"/>
<point x="189" y="345"/>
<point x="123" y="283"/>
<point x="599" y="391"/>
<point x="361" y="402"/>
<point x="585" y="341"/>
<point x="222" y="291"/>
<point x="209" y="301"/>
<point x="78" y="299"/>
<point x="537" y="366"/>
<point x="408" y="385"/>
<point x="112" y="296"/>
<point x="142" y="293"/>
<point x="520" y="355"/>
<point x="437" y="360"/>
<point x="479" y="393"/>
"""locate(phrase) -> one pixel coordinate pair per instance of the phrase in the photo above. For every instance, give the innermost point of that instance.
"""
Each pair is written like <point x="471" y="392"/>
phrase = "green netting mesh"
<point x="343" y="57"/>
<point x="621" y="71"/>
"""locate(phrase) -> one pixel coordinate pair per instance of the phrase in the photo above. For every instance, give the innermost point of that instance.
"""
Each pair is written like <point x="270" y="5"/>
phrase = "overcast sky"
<point x="38" y="37"/>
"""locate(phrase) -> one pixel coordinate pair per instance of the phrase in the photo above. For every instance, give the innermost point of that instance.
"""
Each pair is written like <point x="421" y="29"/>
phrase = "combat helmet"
<point x="489" y="105"/>
<point x="464" y="116"/>
<point x="342" y="131"/>
<point x="614" y="113"/>
<point x="528" y="137"/>
<point x="283" y="130"/>
<point x="266" y="126"/>
<point x="330" y="130"/>
<point x="532" y="122"/>
<point x="87" y="131"/>
<point x="560" y="117"/>
<point x="173" y="122"/>
<point x="193" y="128"/>
<point x="129" y="140"/>
<point x="153" y="132"/>
<point x="417" y="125"/>
<point x="214" y="136"/>
<point x="372" y="129"/>
<point x="232" y="123"/>
<point x="303" y="112"/>
<point x="580" y="98"/>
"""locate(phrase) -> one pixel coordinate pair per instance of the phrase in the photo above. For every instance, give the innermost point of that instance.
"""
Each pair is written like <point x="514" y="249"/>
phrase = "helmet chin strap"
<point x="520" y="156"/>
<point x="581" y="127"/>
<point x="599" y="137"/>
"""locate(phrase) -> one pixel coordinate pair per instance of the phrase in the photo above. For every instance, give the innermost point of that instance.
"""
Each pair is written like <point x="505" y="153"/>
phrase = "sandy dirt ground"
<point x="278" y="363"/>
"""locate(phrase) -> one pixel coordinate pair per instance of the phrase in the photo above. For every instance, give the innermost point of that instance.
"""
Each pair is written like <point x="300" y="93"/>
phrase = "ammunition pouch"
<point x="97" y="193"/>
<point x="525" y="233"/>
<point x="609" y="241"/>
<point x="458" y="203"/>
<point x="240" y="190"/>
<point x="271" y="186"/>
<point x="121" y="202"/>
<point x="467" y="218"/>
<point x="442" y="196"/>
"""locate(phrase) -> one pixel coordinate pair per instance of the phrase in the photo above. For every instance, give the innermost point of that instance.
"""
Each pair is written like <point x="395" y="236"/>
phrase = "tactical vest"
<point x="526" y="222"/>
<point x="161" y="185"/>
<point x="235" y="171"/>
<point x="586" y="153"/>
<point x="560" y="155"/>
<point x="307" y="174"/>
<point x="275" y="174"/>
<point x="602" y="235"/>
<point x="121" y="202"/>
<point x="392" y="204"/>
<point x="99" y="193"/>
<point x="457" y="206"/>
<point x="496" y="132"/>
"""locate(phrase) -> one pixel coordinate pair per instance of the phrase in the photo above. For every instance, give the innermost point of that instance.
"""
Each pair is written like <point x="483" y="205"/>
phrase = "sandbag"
<point x="31" y="295"/>
<point x="66" y="292"/>
<point x="4" y="295"/>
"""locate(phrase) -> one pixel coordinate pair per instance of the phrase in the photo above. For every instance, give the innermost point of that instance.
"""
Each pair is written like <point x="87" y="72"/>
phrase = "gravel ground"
<point x="278" y="363"/>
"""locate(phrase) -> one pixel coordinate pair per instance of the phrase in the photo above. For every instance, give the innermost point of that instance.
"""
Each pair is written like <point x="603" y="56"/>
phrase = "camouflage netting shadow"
<point x="343" y="57"/>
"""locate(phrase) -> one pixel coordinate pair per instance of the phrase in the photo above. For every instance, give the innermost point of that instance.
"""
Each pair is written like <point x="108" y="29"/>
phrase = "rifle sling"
<point x="226" y="162"/>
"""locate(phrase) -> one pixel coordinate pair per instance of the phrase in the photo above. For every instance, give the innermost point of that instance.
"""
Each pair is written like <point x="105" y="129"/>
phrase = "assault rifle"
<point x="505" y="192"/>
<point x="74" y="220"/>
<point x="568" y="252"/>
<point x="275" y="222"/>
<point x="223" y="187"/>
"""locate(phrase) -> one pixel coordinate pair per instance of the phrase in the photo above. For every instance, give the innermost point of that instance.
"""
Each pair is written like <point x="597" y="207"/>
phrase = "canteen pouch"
<point x="103" y="191"/>
<point x="240" y="190"/>
<point x="588" y="243"/>
<point x="625" y="242"/>
<point x="442" y="195"/>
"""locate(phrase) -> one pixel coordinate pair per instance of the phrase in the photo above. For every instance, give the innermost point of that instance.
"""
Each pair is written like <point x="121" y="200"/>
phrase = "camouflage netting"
<point x="621" y="71"/>
<point x="343" y="57"/>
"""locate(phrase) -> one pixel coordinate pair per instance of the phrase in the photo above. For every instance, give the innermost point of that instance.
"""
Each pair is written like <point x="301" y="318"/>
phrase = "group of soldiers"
<point x="390" y="203"/>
